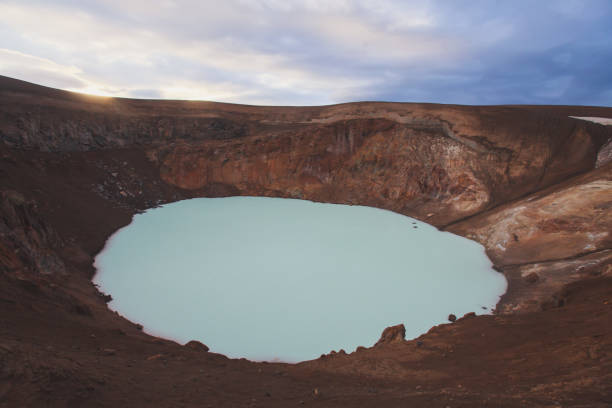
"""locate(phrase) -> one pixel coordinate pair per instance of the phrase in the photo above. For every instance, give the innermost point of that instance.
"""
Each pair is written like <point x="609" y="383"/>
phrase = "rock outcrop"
<point x="422" y="166"/>
<point x="564" y="222"/>
<point x="547" y="239"/>
<point x="27" y="244"/>
<point x="392" y="334"/>
<point x="605" y="154"/>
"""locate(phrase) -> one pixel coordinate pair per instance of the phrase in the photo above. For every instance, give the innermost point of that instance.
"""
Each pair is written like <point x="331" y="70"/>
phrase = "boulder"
<point x="196" y="345"/>
<point x="392" y="334"/>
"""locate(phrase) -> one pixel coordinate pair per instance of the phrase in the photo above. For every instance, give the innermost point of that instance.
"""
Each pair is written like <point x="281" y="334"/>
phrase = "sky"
<point x="315" y="52"/>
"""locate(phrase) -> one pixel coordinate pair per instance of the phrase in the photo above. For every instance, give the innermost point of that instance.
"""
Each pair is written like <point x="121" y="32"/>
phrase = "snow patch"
<point x="601" y="121"/>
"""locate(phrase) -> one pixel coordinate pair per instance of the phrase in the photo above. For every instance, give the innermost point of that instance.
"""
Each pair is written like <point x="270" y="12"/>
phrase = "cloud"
<point x="314" y="51"/>
<point x="29" y="67"/>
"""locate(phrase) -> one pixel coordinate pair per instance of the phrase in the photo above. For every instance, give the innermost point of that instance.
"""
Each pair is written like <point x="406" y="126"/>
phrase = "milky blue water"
<point x="279" y="279"/>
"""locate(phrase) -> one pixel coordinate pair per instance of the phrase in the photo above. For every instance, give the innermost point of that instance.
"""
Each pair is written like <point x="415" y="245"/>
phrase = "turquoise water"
<point x="279" y="279"/>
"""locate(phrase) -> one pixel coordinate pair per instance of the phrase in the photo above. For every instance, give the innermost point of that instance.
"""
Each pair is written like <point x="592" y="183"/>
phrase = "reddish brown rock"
<point x="392" y="334"/>
<point x="547" y="239"/>
<point x="421" y="160"/>
<point x="564" y="221"/>
<point x="197" y="346"/>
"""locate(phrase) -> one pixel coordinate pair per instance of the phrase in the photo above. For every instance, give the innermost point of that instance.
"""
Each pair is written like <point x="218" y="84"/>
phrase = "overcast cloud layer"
<point x="312" y="52"/>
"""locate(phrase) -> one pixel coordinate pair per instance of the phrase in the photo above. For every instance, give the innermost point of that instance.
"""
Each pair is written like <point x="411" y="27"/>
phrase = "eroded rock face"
<point x="605" y="154"/>
<point x="27" y="243"/>
<point x="425" y="169"/>
<point x="563" y="222"/>
<point x="548" y="239"/>
<point x="368" y="162"/>
<point x="536" y="284"/>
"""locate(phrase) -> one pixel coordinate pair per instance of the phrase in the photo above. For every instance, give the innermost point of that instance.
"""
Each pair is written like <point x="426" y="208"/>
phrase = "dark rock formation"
<point x="27" y="243"/>
<point x="197" y="346"/>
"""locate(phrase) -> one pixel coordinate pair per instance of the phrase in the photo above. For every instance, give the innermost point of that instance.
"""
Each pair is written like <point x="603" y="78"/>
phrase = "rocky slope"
<point x="530" y="183"/>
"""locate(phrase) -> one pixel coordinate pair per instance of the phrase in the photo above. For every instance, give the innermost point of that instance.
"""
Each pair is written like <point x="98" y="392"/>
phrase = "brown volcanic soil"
<point x="521" y="180"/>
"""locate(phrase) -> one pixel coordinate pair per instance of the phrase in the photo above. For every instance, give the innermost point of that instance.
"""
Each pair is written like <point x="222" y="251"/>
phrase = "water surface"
<point x="270" y="278"/>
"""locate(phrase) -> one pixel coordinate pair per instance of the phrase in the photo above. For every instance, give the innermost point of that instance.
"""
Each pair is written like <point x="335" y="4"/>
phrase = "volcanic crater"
<point x="532" y="184"/>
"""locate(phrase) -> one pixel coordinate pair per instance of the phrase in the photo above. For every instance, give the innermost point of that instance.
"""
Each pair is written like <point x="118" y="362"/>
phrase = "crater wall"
<point x="521" y="180"/>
